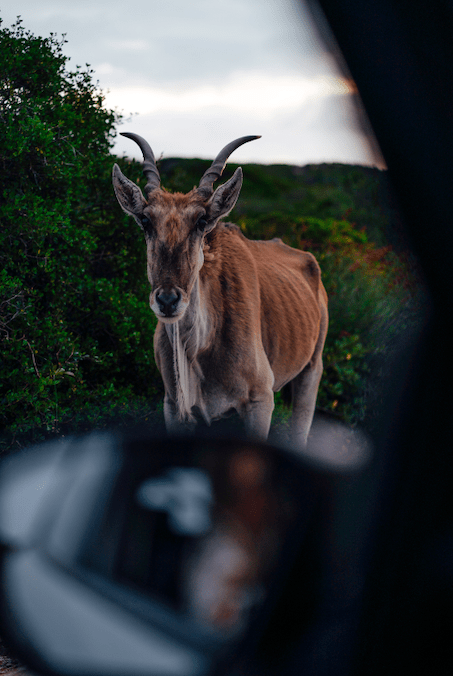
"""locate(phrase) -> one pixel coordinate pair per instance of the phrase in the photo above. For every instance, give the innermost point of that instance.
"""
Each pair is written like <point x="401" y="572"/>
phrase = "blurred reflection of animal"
<point x="228" y="572"/>
<point x="238" y="319"/>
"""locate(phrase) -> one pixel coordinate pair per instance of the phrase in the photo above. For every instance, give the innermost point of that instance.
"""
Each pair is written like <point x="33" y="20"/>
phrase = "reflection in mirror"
<point x="199" y="532"/>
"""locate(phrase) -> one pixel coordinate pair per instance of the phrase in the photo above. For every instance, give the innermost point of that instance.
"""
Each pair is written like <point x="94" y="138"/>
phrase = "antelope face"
<point x="175" y="225"/>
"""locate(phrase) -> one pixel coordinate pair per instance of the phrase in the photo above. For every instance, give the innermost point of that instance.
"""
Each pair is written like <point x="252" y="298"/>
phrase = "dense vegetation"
<point x="75" y="325"/>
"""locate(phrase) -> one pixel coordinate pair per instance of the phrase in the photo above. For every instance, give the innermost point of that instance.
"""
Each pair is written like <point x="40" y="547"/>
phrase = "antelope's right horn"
<point x="149" y="163"/>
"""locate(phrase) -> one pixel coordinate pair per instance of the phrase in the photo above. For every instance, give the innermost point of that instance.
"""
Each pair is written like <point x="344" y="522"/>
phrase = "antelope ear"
<point x="225" y="197"/>
<point x="127" y="193"/>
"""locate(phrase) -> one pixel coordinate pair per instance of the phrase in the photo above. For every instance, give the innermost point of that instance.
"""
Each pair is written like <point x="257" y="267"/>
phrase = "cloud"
<point x="252" y="93"/>
<point x="128" y="45"/>
<point x="301" y="119"/>
<point x="293" y="136"/>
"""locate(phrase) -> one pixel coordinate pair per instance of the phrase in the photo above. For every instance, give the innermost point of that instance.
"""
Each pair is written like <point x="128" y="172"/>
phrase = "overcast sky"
<point x="195" y="74"/>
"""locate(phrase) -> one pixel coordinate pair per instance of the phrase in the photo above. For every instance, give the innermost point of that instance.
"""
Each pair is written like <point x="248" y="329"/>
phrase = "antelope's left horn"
<point x="216" y="169"/>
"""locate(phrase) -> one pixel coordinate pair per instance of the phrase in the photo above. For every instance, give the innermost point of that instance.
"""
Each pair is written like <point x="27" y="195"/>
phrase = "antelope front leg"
<point x="258" y="415"/>
<point x="173" y="424"/>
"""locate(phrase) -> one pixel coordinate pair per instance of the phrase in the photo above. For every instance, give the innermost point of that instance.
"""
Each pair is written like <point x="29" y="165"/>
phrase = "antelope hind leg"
<point x="304" y="393"/>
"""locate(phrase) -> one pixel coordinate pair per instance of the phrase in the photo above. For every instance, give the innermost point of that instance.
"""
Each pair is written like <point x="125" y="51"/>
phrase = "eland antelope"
<point x="237" y="319"/>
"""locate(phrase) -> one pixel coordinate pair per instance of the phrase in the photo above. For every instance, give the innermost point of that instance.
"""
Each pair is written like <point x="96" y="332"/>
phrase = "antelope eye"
<point x="202" y="223"/>
<point x="145" y="221"/>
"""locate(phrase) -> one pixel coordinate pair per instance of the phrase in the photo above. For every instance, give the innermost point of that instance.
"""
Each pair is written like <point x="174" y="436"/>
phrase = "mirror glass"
<point x="144" y="552"/>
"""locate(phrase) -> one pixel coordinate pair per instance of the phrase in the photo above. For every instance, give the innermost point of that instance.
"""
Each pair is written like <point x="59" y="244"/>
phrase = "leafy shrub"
<point x="75" y="328"/>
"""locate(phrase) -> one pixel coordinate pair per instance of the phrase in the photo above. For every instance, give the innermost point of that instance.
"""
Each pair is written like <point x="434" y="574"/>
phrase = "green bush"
<point x="75" y="326"/>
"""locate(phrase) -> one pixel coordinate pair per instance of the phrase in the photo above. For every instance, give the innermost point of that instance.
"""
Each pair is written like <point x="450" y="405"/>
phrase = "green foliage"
<point x="75" y="328"/>
<point x="303" y="232"/>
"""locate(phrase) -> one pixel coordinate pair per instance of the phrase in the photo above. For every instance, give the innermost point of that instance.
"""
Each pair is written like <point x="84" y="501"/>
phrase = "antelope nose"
<point x="167" y="301"/>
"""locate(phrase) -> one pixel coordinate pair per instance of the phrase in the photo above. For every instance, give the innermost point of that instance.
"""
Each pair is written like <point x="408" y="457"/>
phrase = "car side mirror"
<point x="130" y="554"/>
